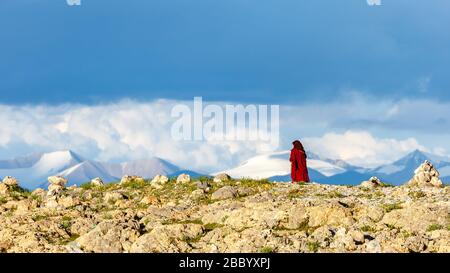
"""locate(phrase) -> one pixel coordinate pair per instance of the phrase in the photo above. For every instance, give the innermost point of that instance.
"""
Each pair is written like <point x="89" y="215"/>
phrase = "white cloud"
<point x="364" y="131"/>
<point x="374" y="2"/>
<point x="361" y="148"/>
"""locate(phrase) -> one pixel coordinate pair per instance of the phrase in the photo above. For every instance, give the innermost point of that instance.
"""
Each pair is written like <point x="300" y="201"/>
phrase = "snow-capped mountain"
<point x="32" y="171"/>
<point x="146" y="168"/>
<point x="401" y="170"/>
<point x="277" y="165"/>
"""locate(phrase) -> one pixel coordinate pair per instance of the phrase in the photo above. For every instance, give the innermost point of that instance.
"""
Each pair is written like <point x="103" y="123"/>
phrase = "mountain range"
<point x="33" y="170"/>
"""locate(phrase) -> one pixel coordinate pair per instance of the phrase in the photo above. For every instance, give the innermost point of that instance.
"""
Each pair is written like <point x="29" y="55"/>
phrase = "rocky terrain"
<point x="226" y="215"/>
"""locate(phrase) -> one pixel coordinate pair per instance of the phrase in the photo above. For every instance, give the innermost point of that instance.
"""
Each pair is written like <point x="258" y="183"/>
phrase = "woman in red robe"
<point x="299" y="170"/>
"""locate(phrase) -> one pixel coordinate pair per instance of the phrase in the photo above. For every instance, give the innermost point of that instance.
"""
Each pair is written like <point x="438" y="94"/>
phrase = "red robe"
<point x="299" y="170"/>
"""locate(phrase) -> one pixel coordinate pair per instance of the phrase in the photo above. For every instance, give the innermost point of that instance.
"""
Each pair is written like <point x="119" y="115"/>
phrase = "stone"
<point x="111" y="197"/>
<point x="10" y="181"/>
<point x="183" y="178"/>
<point x="57" y="180"/>
<point x="224" y="193"/>
<point x="131" y="178"/>
<point x="4" y="189"/>
<point x="149" y="200"/>
<point x="373" y="182"/>
<point x="426" y="176"/>
<point x="221" y="177"/>
<point x="160" y="179"/>
<point x="97" y="182"/>
<point x="54" y="189"/>
<point x="203" y="185"/>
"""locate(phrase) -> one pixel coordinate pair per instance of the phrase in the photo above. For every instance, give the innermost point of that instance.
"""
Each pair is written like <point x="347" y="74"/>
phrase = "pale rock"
<point x="149" y="200"/>
<point x="224" y="193"/>
<point x="373" y="246"/>
<point x="54" y="189"/>
<point x="131" y="178"/>
<point x="183" y="178"/>
<point x="97" y="182"/>
<point x="373" y="182"/>
<point x="4" y="189"/>
<point x="222" y="177"/>
<point x="57" y="180"/>
<point x="10" y="181"/>
<point x="111" y="197"/>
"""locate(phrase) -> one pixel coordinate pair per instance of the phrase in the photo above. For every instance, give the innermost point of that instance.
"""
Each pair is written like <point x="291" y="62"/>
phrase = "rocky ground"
<point x="223" y="215"/>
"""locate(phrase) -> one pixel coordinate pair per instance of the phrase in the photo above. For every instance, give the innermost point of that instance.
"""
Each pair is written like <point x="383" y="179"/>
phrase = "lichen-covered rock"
<point x="426" y="175"/>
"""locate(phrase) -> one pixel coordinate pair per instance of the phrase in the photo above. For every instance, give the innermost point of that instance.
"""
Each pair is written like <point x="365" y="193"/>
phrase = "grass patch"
<point x="368" y="229"/>
<point x="39" y="217"/>
<point x="391" y="227"/>
<point x="191" y="240"/>
<point x="211" y="226"/>
<point x="266" y="249"/>
<point x="416" y="194"/>
<point x="391" y="207"/>
<point x="313" y="246"/>
<point x="434" y="227"/>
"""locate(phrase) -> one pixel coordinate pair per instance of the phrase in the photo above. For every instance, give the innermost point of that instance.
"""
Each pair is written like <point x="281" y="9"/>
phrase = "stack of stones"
<point x="57" y="185"/>
<point x="8" y="183"/>
<point x="426" y="175"/>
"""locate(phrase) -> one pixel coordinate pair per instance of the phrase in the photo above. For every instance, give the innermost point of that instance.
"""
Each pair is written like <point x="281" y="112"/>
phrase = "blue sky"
<point x="248" y="50"/>
<point x="359" y="82"/>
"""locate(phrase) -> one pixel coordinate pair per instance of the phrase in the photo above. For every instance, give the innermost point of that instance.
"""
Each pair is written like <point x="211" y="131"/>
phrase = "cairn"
<point x="7" y="184"/>
<point x="57" y="185"/>
<point x="426" y="175"/>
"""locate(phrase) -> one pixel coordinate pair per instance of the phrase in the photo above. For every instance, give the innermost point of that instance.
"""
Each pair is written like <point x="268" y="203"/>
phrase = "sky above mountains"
<point x="367" y="84"/>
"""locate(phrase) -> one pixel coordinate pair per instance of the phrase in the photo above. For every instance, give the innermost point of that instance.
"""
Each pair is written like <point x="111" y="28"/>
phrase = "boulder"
<point x="425" y="175"/>
<point x="131" y="178"/>
<point x="221" y="177"/>
<point x="224" y="193"/>
<point x="97" y="182"/>
<point x="3" y="189"/>
<point x="57" y="180"/>
<point x="373" y="182"/>
<point x="183" y="178"/>
<point x="10" y="181"/>
<point x="159" y="181"/>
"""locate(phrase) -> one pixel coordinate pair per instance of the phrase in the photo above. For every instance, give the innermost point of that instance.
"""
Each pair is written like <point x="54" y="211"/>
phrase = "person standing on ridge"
<point x="299" y="170"/>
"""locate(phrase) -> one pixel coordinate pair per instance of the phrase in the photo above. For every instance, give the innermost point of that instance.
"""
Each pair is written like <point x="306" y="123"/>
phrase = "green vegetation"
<point x="66" y="222"/>
<point x="391" y="207"/>
<point x="211" y="226"/>
<point x="416" y="194"/>
<point x="39" y="217"/>
<point x="368" y="229"/>
<point x="434" y="227"/>
<point x="266" y="249"/>
<point x="313" y="246"/>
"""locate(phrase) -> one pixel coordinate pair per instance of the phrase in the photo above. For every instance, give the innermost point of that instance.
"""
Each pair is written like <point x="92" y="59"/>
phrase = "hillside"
<point x="224" y="215"/>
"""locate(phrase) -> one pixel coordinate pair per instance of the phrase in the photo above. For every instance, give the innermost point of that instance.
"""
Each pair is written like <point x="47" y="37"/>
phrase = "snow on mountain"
<point x="48" y="164"/>
<point x="85" y="172"/>
<point x="401" y="170"/>
<point x="33" y="171"/>
<point x="277" y="164"/>
<point x="146" y="168"/>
